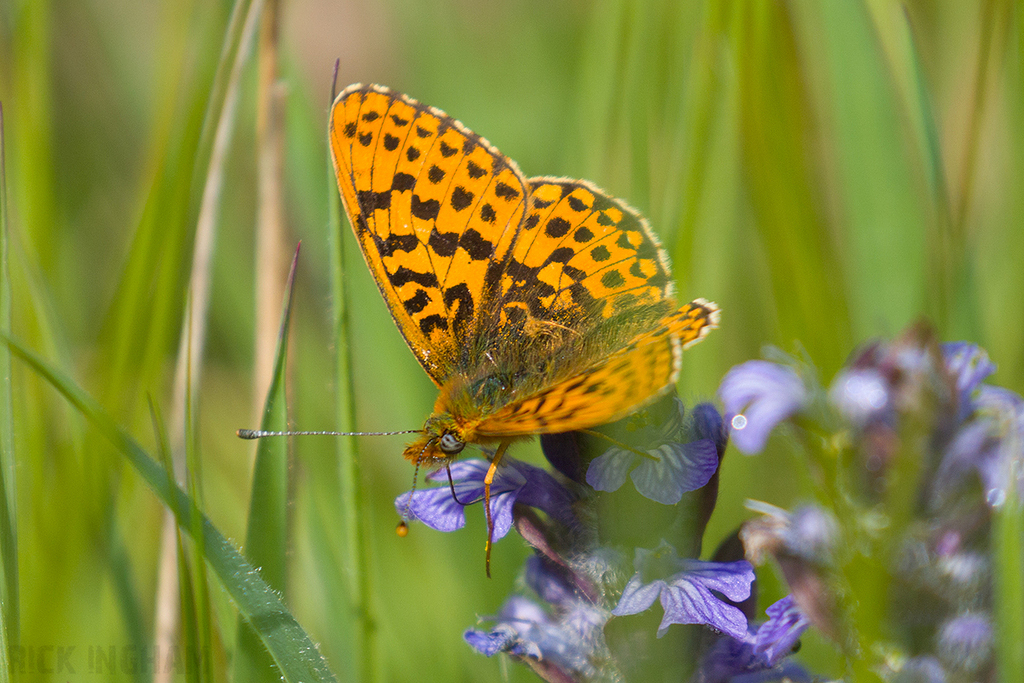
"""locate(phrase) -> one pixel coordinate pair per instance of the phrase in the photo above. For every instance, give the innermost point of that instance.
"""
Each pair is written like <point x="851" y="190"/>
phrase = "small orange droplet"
<point x="402" y="529"/>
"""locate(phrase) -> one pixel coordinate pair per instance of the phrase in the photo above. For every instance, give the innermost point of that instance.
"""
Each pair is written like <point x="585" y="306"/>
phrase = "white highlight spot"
<point x="996" y="497"/>
<point x="739" y="421"/>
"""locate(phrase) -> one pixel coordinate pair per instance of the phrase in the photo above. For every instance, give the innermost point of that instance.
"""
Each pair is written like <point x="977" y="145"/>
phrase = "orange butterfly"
<point x="536" y="305"/>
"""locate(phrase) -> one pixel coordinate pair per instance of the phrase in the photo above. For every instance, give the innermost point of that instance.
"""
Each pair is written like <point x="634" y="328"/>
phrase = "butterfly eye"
<point x="451" y="444"/>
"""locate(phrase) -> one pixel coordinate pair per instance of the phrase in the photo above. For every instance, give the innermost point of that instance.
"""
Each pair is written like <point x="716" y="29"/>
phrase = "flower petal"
<point x="637" y="597"/>
<point x="687" y="601"/>
<point x="490" y="643"/>
<point x="777" y="636"/>
<point x="765" y="394"/>
<point x="607" y="472"/>
<point x="434" y="507"/>
<point x="678" y="469"/>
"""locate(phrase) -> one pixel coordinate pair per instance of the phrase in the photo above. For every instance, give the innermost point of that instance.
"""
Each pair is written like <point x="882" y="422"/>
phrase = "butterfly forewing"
<point x="433" y="206"/>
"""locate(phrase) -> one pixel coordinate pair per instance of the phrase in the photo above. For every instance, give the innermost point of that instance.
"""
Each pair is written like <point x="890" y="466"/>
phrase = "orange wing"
<point x="435" y="209"/>
<point x="580" y="258"/>
<point x="612" y="388"/>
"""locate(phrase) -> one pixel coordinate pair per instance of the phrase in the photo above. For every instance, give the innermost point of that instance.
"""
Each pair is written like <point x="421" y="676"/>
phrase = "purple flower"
<point x="757" y="396"/>
<point x="860" y="395"/>
<point x="776" y="637"/>
<point x="667" y="469"/>
<point x="969" y="365"/>
<point x="921" y="670"/>
<point x="686" y="594"/>
<point x="964" y="643"/>
<point x="514" y="482"/>
<point x="524" y="629"/>
<point x="990" y="444"/>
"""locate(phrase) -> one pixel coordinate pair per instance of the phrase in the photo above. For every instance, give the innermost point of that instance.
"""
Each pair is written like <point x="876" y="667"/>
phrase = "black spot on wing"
<point x="447" y="150"/>
<point x="577" y="204"/>
<point x="432" y="322"/>
<point x="600" y="253"/>
<point x="365" y="139"/>
<point x="487" y="213"/>
<point x="461" y="198"/>
<point x="416" y="303"/>
<point x="459" y="294"/>
<point x="435" y="174"/>
<point x="399" y="121"/>
<point x="557" y="227"/>
<point x="425" y="209"/>
<point x="422" y="132"/>
<point x="394" y="242"/>
<point x="583" y="235"/>
<point x="370" y="200"/>
<point x="402" y="182"/>
<point x="443" y="243"/>
<point x="612" y="279"/>
<point x="475" y="245"/>
<point x="412" y="154"/>
<point x="474" y="170"/>
<point x="371" y="116"/>
<point x="561" y="255"/>
<point x="603" y="203"/>
<point x="390" y="142"/>
<point x="350" y="129"/>
<point x="506" y="192"/>
<point x="404" y="276"/>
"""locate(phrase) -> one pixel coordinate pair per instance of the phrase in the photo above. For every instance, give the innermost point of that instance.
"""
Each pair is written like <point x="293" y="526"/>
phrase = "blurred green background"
<point x="825" y="171"/>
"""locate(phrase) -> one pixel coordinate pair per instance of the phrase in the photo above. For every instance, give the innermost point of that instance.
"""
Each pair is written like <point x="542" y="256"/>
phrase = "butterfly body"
<point x="535" y="305"/>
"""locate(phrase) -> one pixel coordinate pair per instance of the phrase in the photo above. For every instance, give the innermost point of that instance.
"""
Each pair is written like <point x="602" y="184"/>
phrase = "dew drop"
<point x="739" y="421"/>
<point x="996" y="497"/>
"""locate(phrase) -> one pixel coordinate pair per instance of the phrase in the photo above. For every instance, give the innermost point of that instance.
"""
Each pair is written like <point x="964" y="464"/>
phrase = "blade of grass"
<point x="807" y="275"/>
<point x="9" y="605"/>
<point x="266" y="540"/>
<point x="356" y="556"/>
<point x="879" y="193"/>
<point x="291" y="648"/>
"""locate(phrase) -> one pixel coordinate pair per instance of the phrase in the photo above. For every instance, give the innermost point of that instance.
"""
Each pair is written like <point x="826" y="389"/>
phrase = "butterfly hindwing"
<point x="614" y="386"/>
<point x="433" y="206"/>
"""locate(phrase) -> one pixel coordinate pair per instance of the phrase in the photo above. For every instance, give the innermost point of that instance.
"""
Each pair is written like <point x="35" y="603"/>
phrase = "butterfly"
<point x="536" y="305"/>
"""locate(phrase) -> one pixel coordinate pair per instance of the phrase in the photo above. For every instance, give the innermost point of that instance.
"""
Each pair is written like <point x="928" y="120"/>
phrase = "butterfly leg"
<point x="488" y="478"/>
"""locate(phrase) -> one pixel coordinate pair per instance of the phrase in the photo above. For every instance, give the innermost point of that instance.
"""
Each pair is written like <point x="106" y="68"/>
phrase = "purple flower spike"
<point x="861" y="395"/>
<point x="969" y="365"/>
<point x="921" y="670"/>
<point x="524" y="629"/>
<point x="686" y="595"/>
<point x="671" y="470"/>
<point x="965" y="642"/>
<point x="514" y="482"/>
<point x="757" y="396"/>
<point x="777" y="636"/>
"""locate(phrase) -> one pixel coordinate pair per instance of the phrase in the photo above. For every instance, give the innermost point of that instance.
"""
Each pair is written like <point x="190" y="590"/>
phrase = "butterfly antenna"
<point x="259" y="433"/>
<point x="403" y="526"/>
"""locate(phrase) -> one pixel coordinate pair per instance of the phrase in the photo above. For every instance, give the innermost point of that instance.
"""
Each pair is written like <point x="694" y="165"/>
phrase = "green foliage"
<point x="826" y="172"/>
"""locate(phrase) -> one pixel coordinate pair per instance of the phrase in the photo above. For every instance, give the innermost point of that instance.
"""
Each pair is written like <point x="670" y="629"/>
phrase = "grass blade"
<point x="266" y="541"/>
<point x="9" y="604"/>
<point x="356" y="556"/>
<point x="291" y="648"/>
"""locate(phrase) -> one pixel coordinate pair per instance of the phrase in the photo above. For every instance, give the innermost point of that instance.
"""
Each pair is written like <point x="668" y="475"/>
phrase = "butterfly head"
<point x="441" y="440"/>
